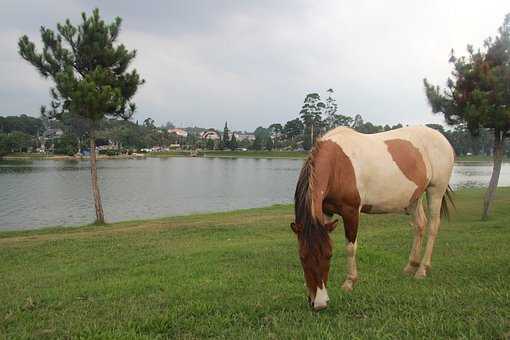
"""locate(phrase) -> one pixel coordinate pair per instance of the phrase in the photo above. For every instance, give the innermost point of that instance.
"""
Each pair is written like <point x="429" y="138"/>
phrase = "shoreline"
<point x="67" y="158"/>
<point x="212" y="154"/>
<point x="196" y="215"/>
<point x="64" y="229"/>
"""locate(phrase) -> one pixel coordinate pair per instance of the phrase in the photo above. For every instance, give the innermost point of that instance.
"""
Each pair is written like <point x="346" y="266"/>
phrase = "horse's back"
<point x="393" y="168"/>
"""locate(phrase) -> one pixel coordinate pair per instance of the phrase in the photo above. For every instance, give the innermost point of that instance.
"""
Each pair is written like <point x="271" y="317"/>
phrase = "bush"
<point x="4" y="147"/>
<point x="109" y="152"/>
<point x="66" y="145"/>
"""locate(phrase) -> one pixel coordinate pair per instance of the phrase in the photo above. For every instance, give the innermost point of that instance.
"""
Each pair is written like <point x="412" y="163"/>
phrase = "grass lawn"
<point x="477" y="158"/>
<point x="237" y="275"/>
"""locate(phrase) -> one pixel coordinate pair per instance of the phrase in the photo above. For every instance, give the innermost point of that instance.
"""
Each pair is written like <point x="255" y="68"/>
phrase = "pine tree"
<point x="478" y="97"/>
<point x="90" y="75"/>
<point x="233" y="142"/>
<point x="226" y="137"/>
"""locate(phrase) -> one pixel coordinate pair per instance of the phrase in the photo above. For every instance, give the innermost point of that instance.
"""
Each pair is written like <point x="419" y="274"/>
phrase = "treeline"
<point x="19" y="133"/>
<point x="318" y="116"/>
<point x="68" y="136"/>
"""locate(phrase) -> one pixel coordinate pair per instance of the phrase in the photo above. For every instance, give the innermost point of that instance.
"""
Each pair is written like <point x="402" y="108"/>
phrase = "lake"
<point x="36" y="194"/>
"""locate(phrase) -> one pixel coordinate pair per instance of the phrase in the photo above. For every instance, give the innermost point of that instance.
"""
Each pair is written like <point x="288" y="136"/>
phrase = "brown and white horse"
<point x="348" y="173"/>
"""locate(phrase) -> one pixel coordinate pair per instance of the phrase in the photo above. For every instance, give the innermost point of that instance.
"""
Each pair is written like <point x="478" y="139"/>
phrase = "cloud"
<point x="251" y="63"/>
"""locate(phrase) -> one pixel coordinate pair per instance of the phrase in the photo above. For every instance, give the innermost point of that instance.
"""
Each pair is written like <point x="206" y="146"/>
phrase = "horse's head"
<point x="315" y="253"/>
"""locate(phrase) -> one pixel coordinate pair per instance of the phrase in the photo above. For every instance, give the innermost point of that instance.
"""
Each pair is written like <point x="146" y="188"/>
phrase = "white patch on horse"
<point x="321" y="298"/>
<point x="379" y="180"/>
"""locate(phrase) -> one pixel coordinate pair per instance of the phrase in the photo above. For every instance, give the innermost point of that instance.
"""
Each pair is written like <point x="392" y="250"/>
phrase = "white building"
<point x="245" y="136"/>
<point x="178" y="132"/>
<point x="210" y="134"/>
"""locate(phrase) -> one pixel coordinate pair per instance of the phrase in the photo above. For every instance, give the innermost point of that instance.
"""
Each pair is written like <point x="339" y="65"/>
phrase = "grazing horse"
<point x="348" y="173"/>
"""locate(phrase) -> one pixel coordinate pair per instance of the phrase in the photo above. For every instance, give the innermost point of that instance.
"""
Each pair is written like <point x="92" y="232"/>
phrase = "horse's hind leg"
<point x="418" y="222"/>
<point x="434" y="197"/>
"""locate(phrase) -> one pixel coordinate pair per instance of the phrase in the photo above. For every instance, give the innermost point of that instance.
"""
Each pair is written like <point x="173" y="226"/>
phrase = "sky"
<point x="251" y="63"/>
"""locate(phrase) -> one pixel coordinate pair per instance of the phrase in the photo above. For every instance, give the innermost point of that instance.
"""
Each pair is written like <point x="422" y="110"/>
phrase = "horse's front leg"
<point x="350" y="217"/>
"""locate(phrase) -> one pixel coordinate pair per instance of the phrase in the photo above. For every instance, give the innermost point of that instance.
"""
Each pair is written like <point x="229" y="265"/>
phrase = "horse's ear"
<point x="330" y="226"/>
<point x="296" y="227"/>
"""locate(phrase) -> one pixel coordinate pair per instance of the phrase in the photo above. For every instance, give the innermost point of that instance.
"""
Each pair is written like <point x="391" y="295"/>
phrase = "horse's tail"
<point x="447" y="203"/>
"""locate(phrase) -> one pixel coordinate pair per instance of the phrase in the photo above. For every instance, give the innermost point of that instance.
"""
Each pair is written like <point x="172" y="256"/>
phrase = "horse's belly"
<point x="386" y="193"/>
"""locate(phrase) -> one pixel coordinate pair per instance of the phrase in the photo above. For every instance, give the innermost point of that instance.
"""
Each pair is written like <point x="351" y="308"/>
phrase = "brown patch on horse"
<point x="410" y="161"/>
<point x="327" y="180"/>
<point x="339" y="187"/>
<point x="340" y="192"/>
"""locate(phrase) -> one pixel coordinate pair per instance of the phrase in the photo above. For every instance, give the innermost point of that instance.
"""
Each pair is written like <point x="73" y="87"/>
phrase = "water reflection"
<point x="35" y="194"/>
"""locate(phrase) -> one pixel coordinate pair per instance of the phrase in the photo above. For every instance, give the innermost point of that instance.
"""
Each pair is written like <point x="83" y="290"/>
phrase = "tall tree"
<point x="261" y="137"/>
<point x="331" y="107"/>
<point x="90" y="74"/>
<point x="276" y="133"/>
<point x="311" y="115"/>
<point x="226" y="137"/>
<point x="293" y="128"/>
<point x="478" y="95"/>
<point x="233" y="142"/>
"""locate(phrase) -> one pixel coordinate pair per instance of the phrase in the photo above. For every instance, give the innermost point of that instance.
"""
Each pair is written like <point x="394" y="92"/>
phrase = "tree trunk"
<point x="95" y="186"/>
<point x="499" y="152"/>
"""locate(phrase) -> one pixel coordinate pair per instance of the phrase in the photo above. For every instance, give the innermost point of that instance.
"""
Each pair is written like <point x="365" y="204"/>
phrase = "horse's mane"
<point x="314" y="234"/>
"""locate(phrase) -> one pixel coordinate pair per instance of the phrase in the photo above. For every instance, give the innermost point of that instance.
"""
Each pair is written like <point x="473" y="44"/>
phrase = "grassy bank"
<point x="237" y="274"/>
<point x="477" y="158"/>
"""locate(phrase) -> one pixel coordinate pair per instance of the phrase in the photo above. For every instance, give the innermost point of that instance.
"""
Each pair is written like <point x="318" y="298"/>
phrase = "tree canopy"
<point x="478" y="92"/>
<point x="89" y="70"/>
<point x="477" y="96"/>
<point x="90" y="73"/>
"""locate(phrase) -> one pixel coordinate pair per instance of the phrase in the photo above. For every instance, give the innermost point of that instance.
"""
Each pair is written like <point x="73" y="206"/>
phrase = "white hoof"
<point x="421" y="273"/>
<point x="348" y="286"/>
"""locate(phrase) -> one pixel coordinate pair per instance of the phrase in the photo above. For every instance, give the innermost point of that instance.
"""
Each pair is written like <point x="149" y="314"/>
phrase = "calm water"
<point x="35" y="194"/>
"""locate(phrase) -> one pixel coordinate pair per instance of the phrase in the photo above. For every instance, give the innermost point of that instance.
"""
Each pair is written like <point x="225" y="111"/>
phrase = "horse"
<point x="348" y="173"/>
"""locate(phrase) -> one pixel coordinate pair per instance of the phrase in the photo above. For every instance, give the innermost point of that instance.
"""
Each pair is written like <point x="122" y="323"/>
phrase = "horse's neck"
<point x="319" y="188"/>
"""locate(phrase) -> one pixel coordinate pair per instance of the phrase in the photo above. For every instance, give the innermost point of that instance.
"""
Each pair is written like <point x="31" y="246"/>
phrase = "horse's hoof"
<point x="347" y="286"/>
<point x="421" y="273"/>
<point x="410" y="269"/>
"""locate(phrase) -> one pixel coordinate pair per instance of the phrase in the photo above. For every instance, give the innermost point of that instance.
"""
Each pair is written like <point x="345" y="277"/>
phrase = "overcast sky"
<point x="252" y="62"/>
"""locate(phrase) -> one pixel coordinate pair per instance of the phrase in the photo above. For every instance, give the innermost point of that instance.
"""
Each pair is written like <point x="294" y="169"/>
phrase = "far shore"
<point x="49" y="157"/>
<point x="208" y="154"/>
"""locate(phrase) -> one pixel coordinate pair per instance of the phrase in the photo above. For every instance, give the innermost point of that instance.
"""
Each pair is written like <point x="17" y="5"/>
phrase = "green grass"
<point x="477" y="158"/>
<point x="237" y="275"/>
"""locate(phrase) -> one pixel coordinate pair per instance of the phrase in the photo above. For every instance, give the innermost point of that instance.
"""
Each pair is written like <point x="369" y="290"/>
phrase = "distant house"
<point x="245" y="136"/>
<point x="210" y="134"/>
<point x="52" y="133"/>
<point x="178" y="132"/>
<point x="48" y="139"/>
<point x="109" y="145"/>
